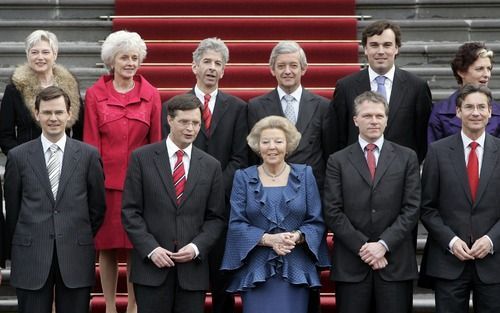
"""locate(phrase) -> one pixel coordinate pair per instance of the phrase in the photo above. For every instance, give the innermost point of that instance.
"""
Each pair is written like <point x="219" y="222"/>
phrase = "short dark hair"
<point x="183" y="102"/>
<point x="378" y="27"/>
<point x="466" y="55"/>
<point x="468" y="89"/>
<point x="49" y="93"/>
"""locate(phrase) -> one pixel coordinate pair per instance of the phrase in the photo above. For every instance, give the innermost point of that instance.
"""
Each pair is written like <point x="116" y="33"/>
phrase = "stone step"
<point x="71" y="54"/>
<point x="424" y="9"/>
<point x="55" y="9"/>
<point x="445" y="30"/>
<point x="65" y="30"/>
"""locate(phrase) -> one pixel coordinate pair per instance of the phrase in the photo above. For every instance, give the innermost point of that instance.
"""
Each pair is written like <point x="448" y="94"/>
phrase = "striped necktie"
<point x="207" y="115"/>
<point x="54" y="169"/>
<point x="179" y="176"/>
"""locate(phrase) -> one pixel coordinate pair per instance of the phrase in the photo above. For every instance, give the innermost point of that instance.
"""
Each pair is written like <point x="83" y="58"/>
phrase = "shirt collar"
<point x="61" y="143"/>
<point x="379" y="143"/>
<point x="172" y="148"/>
<point x="389" y="75"/>
<point x="201" y="95"/>
<point x="297" y="94"/>
<point x="466" y="140"/>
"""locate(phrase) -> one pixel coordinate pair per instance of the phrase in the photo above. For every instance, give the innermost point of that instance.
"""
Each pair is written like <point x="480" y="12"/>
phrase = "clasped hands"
<point x="373" y="254"/>
<point x="479" y="249"/>
<point x="164" y="258"/>
<point x="281" y="243"/>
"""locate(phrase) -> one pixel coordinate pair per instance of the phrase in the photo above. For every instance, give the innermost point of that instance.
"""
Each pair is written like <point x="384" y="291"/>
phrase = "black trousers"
<point x="222" y="301"/>
<point x="373" y="294"/>
<point x="453" y="295"/>
<point x="67" y="300"/>
<point x="169" y="297"/>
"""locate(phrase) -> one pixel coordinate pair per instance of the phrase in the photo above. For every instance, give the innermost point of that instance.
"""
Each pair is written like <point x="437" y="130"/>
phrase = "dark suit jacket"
<point x="313" y="123"/>
<point x="358" y="210"/>
<point x="36" y="222"/>
<point x="227" y="141"/>
<point x="448" y="211"/>
<point x="152" y="217"/>
<point x="409" y="109"/>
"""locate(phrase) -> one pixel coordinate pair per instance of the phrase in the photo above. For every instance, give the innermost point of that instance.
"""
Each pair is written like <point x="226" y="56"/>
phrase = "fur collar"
<point x="26" y="81"/>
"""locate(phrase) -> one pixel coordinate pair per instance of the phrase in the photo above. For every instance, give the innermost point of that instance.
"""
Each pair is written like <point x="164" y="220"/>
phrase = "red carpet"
<point x="228" y="7"/>
<point x="245" y="94"/>
<point x="254" y="52"/>
<point x="244" y="75"/>
<point x="330" y="44"/>
<point x="242" y="28"/>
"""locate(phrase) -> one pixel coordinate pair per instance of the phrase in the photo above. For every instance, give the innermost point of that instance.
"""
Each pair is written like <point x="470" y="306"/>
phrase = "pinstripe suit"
<point x="152" y="217"/>
<point x="45" y="231"/>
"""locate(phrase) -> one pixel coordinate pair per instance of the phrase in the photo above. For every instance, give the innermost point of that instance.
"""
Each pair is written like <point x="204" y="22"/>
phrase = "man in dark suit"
<point x="173" y="212"/>
<point x="409" y="97"/>
<point x="371" y="203"/>
<point x="55" y="203"/>
<point x="308" y="112"/>
<point x="223" y="136"/>
<point x="460" y="184"/>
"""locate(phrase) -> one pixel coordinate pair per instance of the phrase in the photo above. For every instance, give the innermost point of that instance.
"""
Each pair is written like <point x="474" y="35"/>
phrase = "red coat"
<point x="118" y="128"/>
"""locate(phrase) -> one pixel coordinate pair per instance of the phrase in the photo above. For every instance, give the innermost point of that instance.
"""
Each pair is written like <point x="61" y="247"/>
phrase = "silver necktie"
<point x="289" y="110"/>
<point x="54" y="169"/>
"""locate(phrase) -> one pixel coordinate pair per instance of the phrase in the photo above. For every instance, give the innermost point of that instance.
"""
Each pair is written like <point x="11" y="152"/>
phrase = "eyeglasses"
<point x="474" y="107"/>
<point x="186" y="124"/>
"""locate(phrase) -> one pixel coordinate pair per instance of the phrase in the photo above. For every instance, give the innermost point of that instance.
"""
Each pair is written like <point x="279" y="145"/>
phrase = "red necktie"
<point x="179" y="176"/>
<point x="473" y="169"/>
<point x="370" y="158"/>
<point x="207" y="115"/>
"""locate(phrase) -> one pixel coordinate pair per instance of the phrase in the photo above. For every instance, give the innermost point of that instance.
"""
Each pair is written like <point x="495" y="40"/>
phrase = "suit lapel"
<point x="220" y="109"/>
<point x="457" y="158"/>
<point x="162" y="163"/>
<point x="358" y="160"/>
<point x="39" y="166"/>
<point x="385" y="159"/>
<point x="70" y="160"/>
<point x="363" y="84"/>
<point x="490" y="160"/>
<point x="273" y="104"/>
<point x="307" y="107"/>
<point x="397" y="94"/>
<point x="195" y="172"/>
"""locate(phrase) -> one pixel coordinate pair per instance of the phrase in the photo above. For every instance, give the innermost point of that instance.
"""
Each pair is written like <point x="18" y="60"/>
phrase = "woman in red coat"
<point x="122" y="113"/>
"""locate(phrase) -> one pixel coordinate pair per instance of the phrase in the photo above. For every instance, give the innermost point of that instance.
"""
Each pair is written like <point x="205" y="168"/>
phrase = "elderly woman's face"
<point x="41" y="58"/>
<point x="478" y="73"/>
<point x="272" y="146"/>
<point x="126" y="64"/>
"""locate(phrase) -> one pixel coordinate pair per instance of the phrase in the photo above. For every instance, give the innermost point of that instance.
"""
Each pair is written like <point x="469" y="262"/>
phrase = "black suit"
<point x="313" y="123"/>
<point x="226" y="143"/>
<point x="152" y="218"/>
<point x="358" y="211"/>
<point x="53" y="239"/>
<point x="448" y="211"/>
<point x="409" y="110"/>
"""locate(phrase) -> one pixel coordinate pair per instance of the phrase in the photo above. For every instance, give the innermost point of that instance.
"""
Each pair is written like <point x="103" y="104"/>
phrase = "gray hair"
<point x="41" y="35"/>
<point x="278" y="122"/>
<point x="285" y="47"/>
<point x="372" y="97"/>
<point x="214" y="44"/>
<point x="122" y="41"/>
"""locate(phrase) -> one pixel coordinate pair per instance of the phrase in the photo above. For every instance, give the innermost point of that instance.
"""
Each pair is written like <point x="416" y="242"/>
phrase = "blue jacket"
<point x="252" y="216"/>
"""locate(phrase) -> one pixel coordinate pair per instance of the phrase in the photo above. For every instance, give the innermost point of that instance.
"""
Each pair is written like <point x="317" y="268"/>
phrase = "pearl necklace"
<point x="273" y="177"/>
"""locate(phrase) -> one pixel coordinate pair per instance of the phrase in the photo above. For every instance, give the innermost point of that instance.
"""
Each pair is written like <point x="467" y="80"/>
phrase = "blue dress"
<point x="259" y="274"/>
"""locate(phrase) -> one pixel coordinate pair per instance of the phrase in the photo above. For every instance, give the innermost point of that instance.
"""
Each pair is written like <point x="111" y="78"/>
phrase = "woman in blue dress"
<point x="276" y="234"/>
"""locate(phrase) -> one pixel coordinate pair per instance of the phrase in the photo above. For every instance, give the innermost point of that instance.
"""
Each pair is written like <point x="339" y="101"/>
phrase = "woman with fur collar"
<point x="17" y="112"/>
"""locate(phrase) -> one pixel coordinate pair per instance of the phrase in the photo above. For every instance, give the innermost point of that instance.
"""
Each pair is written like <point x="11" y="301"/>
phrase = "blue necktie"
<point x="381" y="86"/>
